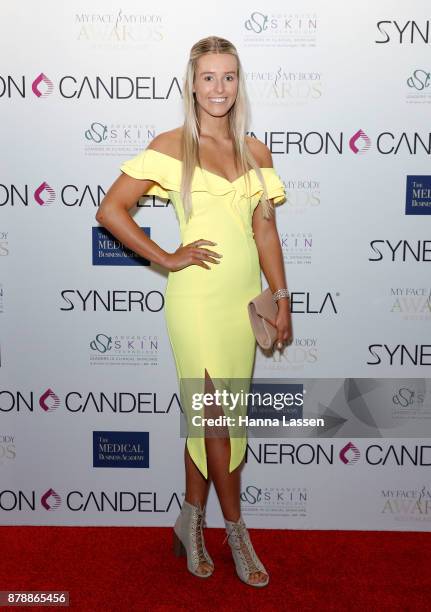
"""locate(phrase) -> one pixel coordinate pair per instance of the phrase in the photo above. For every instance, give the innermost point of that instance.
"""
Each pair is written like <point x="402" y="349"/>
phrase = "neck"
<point x="216" y="128"/>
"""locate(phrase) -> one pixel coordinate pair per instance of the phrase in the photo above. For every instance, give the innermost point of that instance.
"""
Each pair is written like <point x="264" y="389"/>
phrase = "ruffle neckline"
<point x="205" y="180"/>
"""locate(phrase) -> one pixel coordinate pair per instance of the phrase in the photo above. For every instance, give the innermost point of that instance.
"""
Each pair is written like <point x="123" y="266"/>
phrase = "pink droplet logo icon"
<point x="49" y="401"/>
<point x="349" y="453"/>
<point x="50" y="500"/>
<point x="42" y="86"/>
<point x="44" y="194"/>
<point x="359" y="142"/>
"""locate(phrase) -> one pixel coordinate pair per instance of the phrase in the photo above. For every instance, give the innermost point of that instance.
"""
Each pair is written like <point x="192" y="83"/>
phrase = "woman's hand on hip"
<point x="192" y="254"/>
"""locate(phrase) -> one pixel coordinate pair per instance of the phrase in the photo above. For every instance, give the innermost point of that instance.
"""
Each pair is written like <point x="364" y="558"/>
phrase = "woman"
<point x="223" y="187"/>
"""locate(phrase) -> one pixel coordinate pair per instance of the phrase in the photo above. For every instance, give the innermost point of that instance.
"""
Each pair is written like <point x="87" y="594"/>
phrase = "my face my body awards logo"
<point x="297" y="247"/>
<point x="88" y="87"/>
<point x="406" y="504"/>
<point x="274" y="501"/>
<point x="279" y="86"/>
<point x="88" y="502"/>
<point x="281" y="29"/>
<point x="7" y="449"/>
<point x="103" y="139"/>
<point x="296" y="358"/>
<point x="418" y="87"/>
<point x="4" y="243"/>
<point x="127" y="349"/>
<point x="303" y="195"/>
<point x="25" y="402"/>
<point x="119" y="29"/>
<point x="411" y="303"/>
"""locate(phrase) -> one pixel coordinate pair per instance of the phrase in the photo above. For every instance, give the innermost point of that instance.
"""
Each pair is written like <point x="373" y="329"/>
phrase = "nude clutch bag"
<point x="263" y="312"/>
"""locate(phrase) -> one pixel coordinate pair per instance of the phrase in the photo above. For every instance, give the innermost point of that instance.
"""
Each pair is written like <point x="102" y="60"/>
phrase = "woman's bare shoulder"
<point x="260" y="152"/>
<point x="168" y="142"/>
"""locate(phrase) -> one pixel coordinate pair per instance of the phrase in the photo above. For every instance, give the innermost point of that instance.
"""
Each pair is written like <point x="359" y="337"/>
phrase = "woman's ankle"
<point x="232" y="518"/>
<point x="195" y="501"/>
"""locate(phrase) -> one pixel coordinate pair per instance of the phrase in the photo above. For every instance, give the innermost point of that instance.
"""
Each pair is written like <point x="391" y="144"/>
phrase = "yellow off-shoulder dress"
<point x="206" y="310"/>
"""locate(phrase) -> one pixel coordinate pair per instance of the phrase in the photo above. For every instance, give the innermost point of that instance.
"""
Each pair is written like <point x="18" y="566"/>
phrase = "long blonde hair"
<point x="238" y="117"/>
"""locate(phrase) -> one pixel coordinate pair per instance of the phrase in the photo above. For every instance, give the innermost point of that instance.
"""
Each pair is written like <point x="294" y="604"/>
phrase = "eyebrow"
<point x="213" y="72"/>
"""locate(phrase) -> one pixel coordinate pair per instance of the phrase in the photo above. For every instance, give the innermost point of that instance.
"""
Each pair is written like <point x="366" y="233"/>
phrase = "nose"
<point x="219" y="85"/>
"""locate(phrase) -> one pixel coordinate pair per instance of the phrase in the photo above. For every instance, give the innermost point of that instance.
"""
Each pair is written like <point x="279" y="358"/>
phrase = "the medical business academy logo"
<point x="418" y="195"/>
<point x="121" y="449"/>
<point x="108" y="251"/>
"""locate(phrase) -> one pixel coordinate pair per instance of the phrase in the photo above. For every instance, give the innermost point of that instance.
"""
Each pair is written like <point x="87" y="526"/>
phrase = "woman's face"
<point x="216" y="83"/>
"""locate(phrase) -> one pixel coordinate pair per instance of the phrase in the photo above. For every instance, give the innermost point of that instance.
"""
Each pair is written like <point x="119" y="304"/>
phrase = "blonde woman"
<point x="223" y="186"/>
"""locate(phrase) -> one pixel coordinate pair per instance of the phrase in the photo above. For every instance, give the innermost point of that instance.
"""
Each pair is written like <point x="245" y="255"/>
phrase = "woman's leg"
<point x="197" y="486"/>
<point x="217" y="443"/>
<point x="227" y="485"/>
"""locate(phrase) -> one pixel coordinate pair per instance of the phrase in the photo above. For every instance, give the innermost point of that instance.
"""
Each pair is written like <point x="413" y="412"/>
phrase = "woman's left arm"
<point x="272" y="264"/>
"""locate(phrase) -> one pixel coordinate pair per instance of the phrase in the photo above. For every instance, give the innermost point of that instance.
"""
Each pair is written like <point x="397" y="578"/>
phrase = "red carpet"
<point x="124" y="568"/>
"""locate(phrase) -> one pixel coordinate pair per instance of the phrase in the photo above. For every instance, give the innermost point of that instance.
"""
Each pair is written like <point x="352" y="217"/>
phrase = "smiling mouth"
<point x="218" y="100"/>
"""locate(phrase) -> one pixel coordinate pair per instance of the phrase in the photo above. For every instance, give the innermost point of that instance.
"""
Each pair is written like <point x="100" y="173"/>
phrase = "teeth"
<point x="217" y="99"/>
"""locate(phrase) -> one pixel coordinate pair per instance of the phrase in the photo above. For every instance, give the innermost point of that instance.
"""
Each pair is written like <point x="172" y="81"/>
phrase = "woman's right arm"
<point x="113" y="214"/>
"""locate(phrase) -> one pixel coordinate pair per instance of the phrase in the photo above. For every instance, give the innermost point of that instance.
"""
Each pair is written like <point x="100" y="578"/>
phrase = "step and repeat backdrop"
<point x="89" y="399"/>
